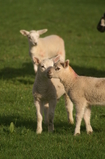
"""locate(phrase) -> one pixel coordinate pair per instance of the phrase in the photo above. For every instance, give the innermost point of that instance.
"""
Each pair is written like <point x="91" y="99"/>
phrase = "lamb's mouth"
<point x="49" y="75"/>
<point x="35" y="44"/>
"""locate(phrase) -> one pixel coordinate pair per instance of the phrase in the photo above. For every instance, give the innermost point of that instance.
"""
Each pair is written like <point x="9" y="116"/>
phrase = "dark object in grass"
<point x="101" y="24"/>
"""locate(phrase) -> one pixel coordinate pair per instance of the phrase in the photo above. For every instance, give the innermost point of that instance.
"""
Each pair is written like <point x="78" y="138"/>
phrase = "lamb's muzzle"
<point x="35" y="44"/>
<point x="49" y="73"/>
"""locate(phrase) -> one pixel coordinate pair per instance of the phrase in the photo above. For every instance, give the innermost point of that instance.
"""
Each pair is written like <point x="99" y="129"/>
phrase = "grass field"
<point x="75" y="21"/>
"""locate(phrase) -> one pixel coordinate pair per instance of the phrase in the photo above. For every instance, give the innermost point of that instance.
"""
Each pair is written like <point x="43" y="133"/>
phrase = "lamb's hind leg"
<point x="52" y="105"/>
<point x="69" y="108"/>
<point x="87" y="115"/>
<point x="46" y="111"/>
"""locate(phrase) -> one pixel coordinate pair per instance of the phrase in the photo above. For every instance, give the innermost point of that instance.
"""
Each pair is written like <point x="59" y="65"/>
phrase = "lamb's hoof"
<point x="38" y="131"/>
<point x="50" y="129"/>
<point x="89" y="132"/>
<point x="50" y="132"/>
<point x="76" y="134"/>
<point x="71" y="122"/>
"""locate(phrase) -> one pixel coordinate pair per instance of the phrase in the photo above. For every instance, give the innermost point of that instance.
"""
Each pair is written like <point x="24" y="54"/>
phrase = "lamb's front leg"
<point x="69" y="108"/>
<point x="87" y="115"/>
<point x="39" y="112"/>
<point x="79" y="115"/>
<point x="52" y="105"/>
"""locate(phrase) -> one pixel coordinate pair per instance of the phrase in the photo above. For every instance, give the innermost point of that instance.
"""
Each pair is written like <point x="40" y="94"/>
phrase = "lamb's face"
<point x="45" y="65"/>
<point x="58" y="70"/>
<point x="54" y="72"/>
<point x="33" y="37"/>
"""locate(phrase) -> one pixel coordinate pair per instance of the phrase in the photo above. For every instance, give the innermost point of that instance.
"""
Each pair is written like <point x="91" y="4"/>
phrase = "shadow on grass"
<point x="102" y="116"/>
<point x="28" y="123"/>
<point x="68" y="128"/>
<point x="8" y="73"/>
<point x="18" y="122"/>
<point x="21" y="125"/>
<point x="62" y="127"/>
<point x="88" y="71"/>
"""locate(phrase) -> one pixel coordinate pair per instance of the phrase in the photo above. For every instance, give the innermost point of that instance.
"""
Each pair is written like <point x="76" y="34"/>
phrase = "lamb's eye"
<point x="42" y="66"/>
<point x="57" y="68"/>
<point x="29" y="37"/>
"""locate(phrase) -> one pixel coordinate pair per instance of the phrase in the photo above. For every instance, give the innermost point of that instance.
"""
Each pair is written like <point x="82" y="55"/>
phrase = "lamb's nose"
<point x="35" y="43"/>
<point x="49" y="73"/>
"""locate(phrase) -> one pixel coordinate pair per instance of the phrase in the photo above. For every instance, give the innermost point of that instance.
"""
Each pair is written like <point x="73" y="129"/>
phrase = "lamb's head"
<point x="57" y="71"/>
<point x="33" y="35"/>
<point x="101" y="24"/>
<point x="46" y="64"/>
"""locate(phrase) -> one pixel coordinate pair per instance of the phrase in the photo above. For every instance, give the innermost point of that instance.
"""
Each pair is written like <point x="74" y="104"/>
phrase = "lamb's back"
<point x="90" y="88"/>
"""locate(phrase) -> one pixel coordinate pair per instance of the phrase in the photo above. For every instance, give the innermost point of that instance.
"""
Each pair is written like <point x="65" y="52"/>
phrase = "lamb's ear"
<point x="66" y="63"/>
<point x="56" y="59"/>
<point x="36" y="60"/>
<point x="42" y="31"/>
<point x="24" y="32"/>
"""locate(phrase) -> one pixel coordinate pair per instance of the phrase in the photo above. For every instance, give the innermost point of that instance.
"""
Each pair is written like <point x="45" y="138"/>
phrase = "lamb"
<point x="101" y="24"/>
<point x="46" y="92"/>
<point x="44" y="48"/>
<point x="83" y="91"/>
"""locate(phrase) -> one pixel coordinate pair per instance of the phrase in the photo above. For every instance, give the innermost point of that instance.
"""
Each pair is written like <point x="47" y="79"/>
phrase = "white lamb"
<point x="44" y="48"/>
<point x="83" y="92"/>
<point x="46" y="92"/>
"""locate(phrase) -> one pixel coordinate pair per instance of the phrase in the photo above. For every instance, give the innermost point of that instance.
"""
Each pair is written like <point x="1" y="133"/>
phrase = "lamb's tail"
<point x="101" y="24"/>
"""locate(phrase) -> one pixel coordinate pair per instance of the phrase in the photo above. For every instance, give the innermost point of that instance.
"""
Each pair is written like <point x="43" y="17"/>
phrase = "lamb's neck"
<point x="39" y="44"/>
<point x="43" y="81"/>
<point x="42" y="78"/>
<point x="32" y="46"/>
<point x="68" y="78"/>
<point x="31" y="49"/>
<point x="35" y="48"/>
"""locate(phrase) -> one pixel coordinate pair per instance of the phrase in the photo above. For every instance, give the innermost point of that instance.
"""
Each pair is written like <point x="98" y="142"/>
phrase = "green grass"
<point x="75" y="21"/>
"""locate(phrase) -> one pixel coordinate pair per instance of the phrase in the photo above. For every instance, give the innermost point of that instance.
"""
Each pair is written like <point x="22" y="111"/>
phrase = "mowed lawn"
<point x="76" y="22"/>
